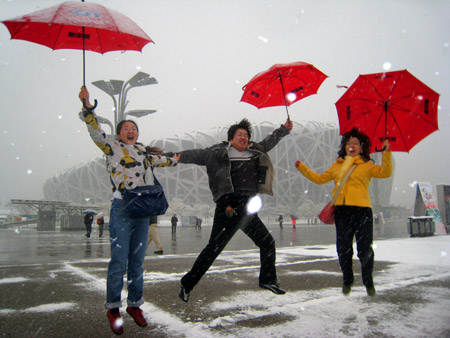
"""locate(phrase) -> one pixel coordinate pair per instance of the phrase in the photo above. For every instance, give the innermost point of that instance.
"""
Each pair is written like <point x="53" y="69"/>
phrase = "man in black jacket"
<point x="88" y="219"/>
<point x="174" y="221"/>
<point x="237" y="171"/>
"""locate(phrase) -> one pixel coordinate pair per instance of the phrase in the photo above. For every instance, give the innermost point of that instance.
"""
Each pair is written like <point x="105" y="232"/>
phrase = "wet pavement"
<point x="53" y="285"/>
<point x="24" y="244"/>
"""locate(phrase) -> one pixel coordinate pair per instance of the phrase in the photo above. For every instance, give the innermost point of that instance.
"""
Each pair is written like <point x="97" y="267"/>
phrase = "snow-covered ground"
<point x="413" y="294"/>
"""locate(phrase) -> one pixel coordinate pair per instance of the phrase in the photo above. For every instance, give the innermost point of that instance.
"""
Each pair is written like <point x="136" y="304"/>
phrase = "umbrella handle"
<point x="379" y="151"/>
<point x="90" y="108"/>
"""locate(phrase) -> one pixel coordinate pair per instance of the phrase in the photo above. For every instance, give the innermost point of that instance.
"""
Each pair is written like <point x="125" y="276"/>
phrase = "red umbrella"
<point x="79" y="25"/>
<point x="393" y="105"/>
<point x="282" y="85"/>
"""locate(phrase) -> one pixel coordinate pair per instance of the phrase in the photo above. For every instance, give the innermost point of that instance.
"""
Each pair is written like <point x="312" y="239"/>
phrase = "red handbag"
<point x="327" y="213"/>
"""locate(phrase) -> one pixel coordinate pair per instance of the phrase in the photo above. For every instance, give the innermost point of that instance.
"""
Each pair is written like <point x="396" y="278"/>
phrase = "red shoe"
<point x="115" y="322"/>
<point x="136" y="314"/>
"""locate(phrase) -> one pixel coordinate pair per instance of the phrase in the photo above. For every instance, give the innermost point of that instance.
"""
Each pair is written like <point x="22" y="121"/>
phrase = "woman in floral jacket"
<point x="127" y="163"/>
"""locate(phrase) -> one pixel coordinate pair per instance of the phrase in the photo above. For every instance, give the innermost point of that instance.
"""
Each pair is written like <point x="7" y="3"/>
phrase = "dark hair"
<point x="244" y="124"/>
<point x="120" y="125"/>
<point x="363" y="140"/>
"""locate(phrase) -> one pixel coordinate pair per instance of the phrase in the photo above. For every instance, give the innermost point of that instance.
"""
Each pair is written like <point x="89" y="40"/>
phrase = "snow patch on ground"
<point x="13" y="280"/>
<point x="44" y="308"/>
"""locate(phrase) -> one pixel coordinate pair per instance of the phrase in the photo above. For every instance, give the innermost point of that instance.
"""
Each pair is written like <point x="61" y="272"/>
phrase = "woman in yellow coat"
<point x="353" y="213"/>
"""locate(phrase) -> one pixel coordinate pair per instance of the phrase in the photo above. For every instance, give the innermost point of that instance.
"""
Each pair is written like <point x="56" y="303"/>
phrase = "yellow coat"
<point x="356" y="189"/>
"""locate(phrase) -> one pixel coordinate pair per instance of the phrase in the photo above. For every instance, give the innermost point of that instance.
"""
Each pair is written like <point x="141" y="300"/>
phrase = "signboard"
<point x="427" y="205"/>
<point x="426" y="197"/>
<point x="443" y="196"/>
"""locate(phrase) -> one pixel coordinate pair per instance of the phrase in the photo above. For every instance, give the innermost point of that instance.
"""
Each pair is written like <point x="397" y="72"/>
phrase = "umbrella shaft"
<point x="386" y="103"/>
<point x="284" y="94"/>
<point x="84" y="61"/>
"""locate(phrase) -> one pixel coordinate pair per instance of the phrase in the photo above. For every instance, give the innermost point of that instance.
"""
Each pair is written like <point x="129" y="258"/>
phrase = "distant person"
<point x="280" y="221"/>
<point x="88" y="219"/>
<point x="237" y="171"/>
<point x="294" y="221"/>
<point x="198" y="223"/>
<point x="101" y="224"/>
<point x="153" y="235"/>
<point x="353" y="213"/>
<point x="174" y="221"/>
<point x="376" y="219"/>
<point x="127" y="162"/>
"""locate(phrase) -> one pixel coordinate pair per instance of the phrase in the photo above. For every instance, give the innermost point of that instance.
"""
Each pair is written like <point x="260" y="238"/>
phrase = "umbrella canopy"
<point x="282" y="85"/>
<point x="393" y="105"/>
<point x="101" y="214"/>
<point x="79" y="25"/>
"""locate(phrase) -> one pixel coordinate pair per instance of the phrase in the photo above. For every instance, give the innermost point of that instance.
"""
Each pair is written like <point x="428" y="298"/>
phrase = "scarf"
<point x="346" y="165"/>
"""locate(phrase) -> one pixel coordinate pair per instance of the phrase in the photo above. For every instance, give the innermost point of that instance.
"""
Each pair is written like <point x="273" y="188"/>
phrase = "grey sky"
<point x="204" y="52"/>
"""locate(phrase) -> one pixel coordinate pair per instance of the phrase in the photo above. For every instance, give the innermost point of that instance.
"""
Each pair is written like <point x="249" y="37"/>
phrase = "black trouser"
<point x="355" y="222"/>
<point x="88" y="227"/>
<point x="223" y="230"/>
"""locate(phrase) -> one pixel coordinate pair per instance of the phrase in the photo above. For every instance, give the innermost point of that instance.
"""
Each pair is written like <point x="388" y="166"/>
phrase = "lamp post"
<point x="121" y="88"/>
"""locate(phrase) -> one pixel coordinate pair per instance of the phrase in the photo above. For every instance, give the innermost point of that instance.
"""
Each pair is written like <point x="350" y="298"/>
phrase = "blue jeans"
<point x="128" y="237"/>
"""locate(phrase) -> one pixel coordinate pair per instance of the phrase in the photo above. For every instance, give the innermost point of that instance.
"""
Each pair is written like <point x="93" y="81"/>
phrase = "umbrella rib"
<point x="133" y="37"/>
<point x="300" y="79"/>
<point x="399" y="129"/>
<point x="303" y="82"/>
<point x="57" y="37"/>
<point x="362" y="99"/>
<point x="118" y="30"/>
<point x="263" y="90"/>
<point x="99" y="41"/>
<point x="395" y="85"/>
<point x="113" y="20"/>
<point x="58" y="10"/>
<point x="411" y="112"/>
<point x="308" y="84"/>
<point x="56" y="13"/>
<point x="372" y="137"/>
<point x="374" y="88"/>
<point x="394" y="104"/>
<point x="18" y="30"/>
<point x="371" y="111"/>
<point x="398" y="107"/>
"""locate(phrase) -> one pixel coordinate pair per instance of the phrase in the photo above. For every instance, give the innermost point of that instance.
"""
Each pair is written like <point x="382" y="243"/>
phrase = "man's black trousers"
<point x="223" y="229"/>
